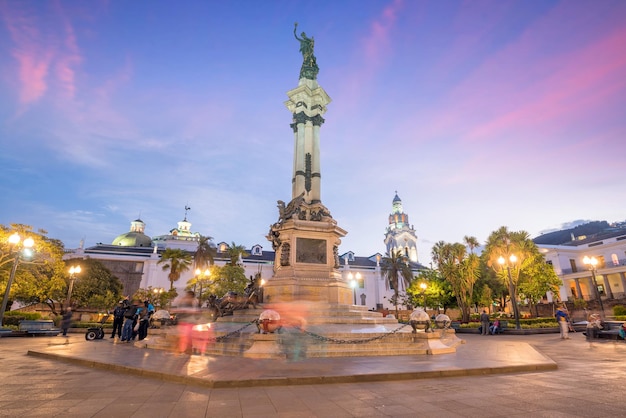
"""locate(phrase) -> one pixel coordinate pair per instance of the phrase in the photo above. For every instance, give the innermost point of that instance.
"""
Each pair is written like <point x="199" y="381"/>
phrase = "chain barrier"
<point x="340" y="341"/>
<point x="237" y="331"/>
<point x="323" y="338"/>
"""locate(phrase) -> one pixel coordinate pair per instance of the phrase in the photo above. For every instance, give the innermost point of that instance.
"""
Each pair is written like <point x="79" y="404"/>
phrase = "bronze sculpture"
<point x="309" y="63"/>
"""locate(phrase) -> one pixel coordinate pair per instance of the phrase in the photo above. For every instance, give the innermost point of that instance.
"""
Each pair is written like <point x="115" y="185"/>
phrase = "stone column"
<point x="307" y="103"/>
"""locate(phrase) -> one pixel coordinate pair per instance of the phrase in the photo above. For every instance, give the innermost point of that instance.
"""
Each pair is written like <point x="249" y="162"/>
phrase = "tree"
<point x="205" y="253"/>
<point x="395" y="266"/>
<point x="228" y="278"/>
<point x="438" y="291"/>
<point x="529" y="274"/>
<point x="176" y="261"/>
<point x="96" y="287"/>
<point x="485" y="297"/>
<point x="39" y="279"/>
<point x="497" y="288"/>
<point x="235" y="252"/>
<point x="159" y="298"/>
<point x="460" y="269"/>
<point x="538" y="278"/>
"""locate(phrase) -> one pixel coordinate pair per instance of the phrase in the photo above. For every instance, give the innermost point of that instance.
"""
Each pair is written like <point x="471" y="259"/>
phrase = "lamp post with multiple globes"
<point x="507" y="263"/>
<point x="423" y="286"/>
<point x="592" y="262"/>
<point x="354" y="282"/>
<point x="158" y="291"/>
<point x="21" y="249"/>
<point x="201" y="277"/>
<point x="74" y="270"/>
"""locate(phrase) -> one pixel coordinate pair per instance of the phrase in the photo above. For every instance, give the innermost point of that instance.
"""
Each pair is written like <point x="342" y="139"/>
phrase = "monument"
<point x="307" y="308"/>
<point x="305" y="237"/>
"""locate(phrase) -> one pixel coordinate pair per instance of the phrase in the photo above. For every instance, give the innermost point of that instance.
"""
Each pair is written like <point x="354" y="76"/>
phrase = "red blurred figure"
<point x="187" y="314"/>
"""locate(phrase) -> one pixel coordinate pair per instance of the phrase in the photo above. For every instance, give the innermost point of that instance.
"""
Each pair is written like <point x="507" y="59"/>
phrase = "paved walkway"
<point x="488" y="376"/>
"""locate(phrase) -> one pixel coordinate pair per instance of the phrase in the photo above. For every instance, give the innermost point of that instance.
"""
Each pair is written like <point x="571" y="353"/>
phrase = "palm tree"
<point x="460" y="269"/>
<point x="176" y="261"/>
<point x="235" y="251"/>
<point x="205" y="253"/>
<point x="471" y="242"/>
<point x="395" y="266"/>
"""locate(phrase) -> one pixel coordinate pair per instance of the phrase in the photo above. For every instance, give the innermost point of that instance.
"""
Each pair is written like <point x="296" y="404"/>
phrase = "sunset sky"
<point x="480" y="114"/>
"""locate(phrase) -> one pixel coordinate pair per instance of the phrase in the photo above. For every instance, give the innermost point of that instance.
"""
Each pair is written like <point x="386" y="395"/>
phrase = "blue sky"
<point x="480" y="114"/>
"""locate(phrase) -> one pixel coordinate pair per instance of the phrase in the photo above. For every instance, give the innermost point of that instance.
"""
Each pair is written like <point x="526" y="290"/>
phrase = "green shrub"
<point x="532" y="321"/>
<point x="13" y="318"/>
<point x="89" y="324"/>
<point x="547" y="324"/>
<point x="619" y="310"/>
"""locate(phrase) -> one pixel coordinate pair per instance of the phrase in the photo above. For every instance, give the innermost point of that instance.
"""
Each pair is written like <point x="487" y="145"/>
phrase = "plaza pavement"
<point x="489" y="376"/>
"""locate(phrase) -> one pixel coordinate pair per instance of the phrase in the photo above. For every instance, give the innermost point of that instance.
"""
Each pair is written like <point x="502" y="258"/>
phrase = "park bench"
<point x="39" y="327"/>
<point x="502" y="327"/>
<point x="610" y="330"/>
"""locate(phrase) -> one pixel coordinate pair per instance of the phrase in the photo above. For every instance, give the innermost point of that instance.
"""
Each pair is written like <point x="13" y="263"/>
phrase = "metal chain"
<point x="339" y="341"/>
<point x="237" y="331"/>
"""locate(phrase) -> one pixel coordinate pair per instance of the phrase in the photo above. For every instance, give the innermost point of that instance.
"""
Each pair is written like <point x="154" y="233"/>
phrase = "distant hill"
<point x="565" y="236"/>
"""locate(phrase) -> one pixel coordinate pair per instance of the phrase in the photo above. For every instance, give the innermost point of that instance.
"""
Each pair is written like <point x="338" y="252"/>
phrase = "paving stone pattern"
<point x="589" y="382"/>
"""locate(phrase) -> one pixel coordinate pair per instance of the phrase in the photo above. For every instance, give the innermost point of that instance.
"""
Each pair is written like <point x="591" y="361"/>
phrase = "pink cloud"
<point x="549" y="80"/>
<point x="376" y="45"/>
<point x="33" y="63"/>
<point x="372" y="54"/>
<point x="38" y="50"/>
<point x="70" y="59"/>
<point x="582" y="81"/>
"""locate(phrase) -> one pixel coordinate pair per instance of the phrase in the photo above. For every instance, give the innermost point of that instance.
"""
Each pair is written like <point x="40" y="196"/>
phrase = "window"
<point x="573" y="290"/>
<point x="572" y="264"/>
<point x="614" y="259"/>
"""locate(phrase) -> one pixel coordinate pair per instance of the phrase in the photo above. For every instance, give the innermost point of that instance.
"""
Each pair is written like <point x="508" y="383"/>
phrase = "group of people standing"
<point x="132" y="319"/>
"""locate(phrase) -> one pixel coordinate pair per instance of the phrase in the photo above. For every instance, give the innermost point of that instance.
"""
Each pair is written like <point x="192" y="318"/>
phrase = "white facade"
<point x="135" y="259"/>
<point x="370" y="290"/>
<point x="577" y="277"/>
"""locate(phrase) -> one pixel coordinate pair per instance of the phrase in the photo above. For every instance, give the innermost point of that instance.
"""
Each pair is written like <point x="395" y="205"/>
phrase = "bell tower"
<point x="400" y="236"/>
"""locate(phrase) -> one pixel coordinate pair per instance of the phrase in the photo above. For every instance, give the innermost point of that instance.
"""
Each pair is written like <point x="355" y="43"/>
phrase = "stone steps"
<point x="331" y="331"/>
<point x="296" y="344"/>
<point x="318" y="314"/>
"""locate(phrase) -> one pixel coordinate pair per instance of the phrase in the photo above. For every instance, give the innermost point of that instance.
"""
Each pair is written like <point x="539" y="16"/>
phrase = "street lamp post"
<point x="74" y="270"/>
<point x="21" y="248"/>
<point x="158" y="291"/>
<point x="200" y="277"/>
<point x="592" y="262"/>
<point x="423" y="286"/>
<point x="512" y="260"/>
<point x="353" y="283"/>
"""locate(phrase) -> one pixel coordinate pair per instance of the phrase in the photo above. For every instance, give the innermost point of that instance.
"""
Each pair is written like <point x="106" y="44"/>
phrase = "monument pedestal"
<point x="264" y="346"/>
<point x="307" y="261"/>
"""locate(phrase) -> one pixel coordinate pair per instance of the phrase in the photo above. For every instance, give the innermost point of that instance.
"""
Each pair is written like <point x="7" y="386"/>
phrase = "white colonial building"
<point x="572" y="262"/>
<point x="133" y="258"/>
